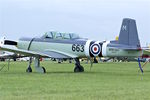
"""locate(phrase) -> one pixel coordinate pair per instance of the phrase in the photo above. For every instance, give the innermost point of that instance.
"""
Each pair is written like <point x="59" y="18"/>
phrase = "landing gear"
<point x="37" y="66"/>
<point x="78" y="67"/>
<point x="29" y="69"/>
<point x="44" y="69"/>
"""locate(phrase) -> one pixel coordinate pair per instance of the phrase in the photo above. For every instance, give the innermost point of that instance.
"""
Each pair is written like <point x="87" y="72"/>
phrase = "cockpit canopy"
<point x="59" y="35"/>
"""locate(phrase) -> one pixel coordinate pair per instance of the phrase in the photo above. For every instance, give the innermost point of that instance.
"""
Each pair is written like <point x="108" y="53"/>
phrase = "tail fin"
<point x="128" y="33"/>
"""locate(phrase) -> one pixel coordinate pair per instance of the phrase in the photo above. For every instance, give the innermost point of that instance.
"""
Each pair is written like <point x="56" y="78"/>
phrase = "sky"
<point x="93" y="19"/>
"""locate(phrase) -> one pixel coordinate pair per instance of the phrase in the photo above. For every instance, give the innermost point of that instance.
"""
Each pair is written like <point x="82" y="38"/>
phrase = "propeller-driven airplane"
<point x="71" y="46"/>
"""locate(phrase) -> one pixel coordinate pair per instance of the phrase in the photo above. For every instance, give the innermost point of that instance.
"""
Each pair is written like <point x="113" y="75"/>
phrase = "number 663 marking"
<point x="78" y="48"/>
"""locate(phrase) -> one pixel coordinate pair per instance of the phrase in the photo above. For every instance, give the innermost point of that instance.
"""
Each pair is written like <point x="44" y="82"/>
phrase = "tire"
<point x="29" y="70"/>
<point x="79" y="69"/>
<point x="44" y="69"/>
<point x="76" y="69"/>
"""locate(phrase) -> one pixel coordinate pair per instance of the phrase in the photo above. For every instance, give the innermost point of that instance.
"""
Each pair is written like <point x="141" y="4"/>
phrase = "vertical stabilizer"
<point x="128" y="33"/>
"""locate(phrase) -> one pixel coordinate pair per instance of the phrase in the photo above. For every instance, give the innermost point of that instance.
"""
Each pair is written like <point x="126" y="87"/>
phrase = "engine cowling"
<point x="4" y="41"/>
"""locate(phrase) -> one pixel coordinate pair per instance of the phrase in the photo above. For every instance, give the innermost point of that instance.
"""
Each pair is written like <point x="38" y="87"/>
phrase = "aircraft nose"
<point x="2" y="41"/>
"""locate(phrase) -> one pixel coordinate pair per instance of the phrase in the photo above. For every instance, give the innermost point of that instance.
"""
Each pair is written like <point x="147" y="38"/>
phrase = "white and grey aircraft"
<point x="71" y="46"/>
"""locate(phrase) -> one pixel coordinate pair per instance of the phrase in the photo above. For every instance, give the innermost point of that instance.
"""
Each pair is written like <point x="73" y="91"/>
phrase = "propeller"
<point x="2" y="41"/>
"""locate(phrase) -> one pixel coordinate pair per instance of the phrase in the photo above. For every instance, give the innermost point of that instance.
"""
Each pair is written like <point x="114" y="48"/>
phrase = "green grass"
<point x="106" y="81"/>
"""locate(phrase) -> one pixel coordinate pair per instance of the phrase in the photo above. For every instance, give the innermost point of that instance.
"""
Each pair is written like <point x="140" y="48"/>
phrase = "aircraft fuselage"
<point x="78" y="47"/>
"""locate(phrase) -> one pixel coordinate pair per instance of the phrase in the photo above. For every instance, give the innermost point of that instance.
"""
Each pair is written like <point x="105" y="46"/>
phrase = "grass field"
<point x="106" y="81"/>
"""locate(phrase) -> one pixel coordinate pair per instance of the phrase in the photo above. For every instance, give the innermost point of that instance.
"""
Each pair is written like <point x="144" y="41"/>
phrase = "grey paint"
<point x="65" y="41"/>
<point x="128" y="33"/>
<point x="55" y="54"/>
<point x="122" y="46"/>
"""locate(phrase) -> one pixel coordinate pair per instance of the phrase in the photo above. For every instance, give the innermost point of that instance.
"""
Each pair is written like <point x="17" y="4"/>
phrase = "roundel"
<point x="95" y="49"/>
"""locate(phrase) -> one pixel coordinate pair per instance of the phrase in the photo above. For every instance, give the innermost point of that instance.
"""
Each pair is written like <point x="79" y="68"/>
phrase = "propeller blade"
<point x="2" y="41"/>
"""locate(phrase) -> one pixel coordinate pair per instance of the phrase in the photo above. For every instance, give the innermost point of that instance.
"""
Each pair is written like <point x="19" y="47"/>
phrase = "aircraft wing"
<point x="45" y="54"/>
<point x="5" y="55"/>
<point x="20" y="51"/>
<point x="58" y="54"/>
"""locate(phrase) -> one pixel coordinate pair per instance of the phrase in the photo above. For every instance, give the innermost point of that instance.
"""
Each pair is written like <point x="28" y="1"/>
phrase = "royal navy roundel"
<point x="95" y="49"/>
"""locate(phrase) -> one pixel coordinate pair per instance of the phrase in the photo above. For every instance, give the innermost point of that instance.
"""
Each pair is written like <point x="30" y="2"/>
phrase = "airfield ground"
<point x="106" y="81"/>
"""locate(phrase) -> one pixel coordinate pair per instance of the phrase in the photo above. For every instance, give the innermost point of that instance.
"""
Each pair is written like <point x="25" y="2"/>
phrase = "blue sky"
<point x="93" y="19"/>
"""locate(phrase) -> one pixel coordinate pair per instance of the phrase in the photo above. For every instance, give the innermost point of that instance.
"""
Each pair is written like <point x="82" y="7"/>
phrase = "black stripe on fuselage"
<point x="91" y="55"/>
<point x="63" y="41"/>
<point x="30" y="43"/>
<point x="100" y="55"/>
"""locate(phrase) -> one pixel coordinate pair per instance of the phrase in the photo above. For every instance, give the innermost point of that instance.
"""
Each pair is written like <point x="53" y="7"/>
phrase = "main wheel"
<point x="29" y="69"/>
<point x="76" y="69"/>
<point x="44" y="69"/>
<point x="79" y="69"/>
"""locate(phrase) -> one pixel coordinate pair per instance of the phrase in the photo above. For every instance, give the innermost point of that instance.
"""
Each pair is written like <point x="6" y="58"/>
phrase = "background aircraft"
<point x="71" y="46"/>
